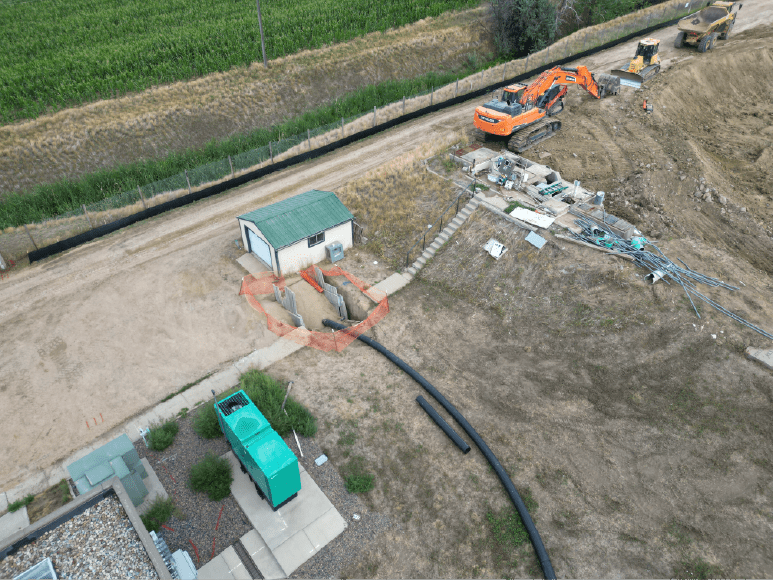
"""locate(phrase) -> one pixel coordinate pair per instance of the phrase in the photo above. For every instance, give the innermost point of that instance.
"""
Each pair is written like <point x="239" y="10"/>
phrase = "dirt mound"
<point x="697" y="165"/>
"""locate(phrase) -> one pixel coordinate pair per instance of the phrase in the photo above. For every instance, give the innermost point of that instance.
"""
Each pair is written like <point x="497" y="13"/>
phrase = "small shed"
<point x="292" y="234"/>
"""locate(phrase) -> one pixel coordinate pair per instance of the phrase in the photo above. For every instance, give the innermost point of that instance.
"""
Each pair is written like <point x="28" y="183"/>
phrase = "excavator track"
<point x="533" y="134"/>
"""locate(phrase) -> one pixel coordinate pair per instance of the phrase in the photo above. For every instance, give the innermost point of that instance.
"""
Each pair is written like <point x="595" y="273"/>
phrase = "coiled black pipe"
<point x="447" y="429"/>
<point x="536" y="541"/>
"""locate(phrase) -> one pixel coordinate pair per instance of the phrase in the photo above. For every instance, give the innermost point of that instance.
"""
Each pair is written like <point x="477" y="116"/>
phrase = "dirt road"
<point x="101" y="333"/>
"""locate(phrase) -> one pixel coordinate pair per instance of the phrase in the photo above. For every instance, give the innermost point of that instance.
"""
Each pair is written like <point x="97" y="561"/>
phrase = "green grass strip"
<point x="49" y="200"/>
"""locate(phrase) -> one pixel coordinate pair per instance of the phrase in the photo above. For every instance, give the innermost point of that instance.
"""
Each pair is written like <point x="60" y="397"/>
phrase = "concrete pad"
<point x="262" y="556"/>
<point x="34" y="484"/>
<point x="55" y="474"/>
<point x="325" y="529"/>
<point x="762" y="356"/>
<point x="13" y="522"/>
<point x="251" y="263"/>
<point x="497" y="202"/>
<point x="215" y="569"/>
<point x="3" y="502"/>
<point x="235" y="565"/>
<point x="295" y="531"/>
<point x="393" y="283"/>
<point x="294" y="552"/>
<point x="154" y="487"/>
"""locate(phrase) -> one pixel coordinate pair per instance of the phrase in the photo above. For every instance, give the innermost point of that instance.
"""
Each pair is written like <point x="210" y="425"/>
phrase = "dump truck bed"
<point x="702" y="21"/>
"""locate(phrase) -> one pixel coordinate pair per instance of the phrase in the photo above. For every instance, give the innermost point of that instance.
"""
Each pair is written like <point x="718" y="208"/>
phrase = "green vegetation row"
<point x="56" y="54"/>
<point x="49" y="200"/>
<point x="267" y="394"/>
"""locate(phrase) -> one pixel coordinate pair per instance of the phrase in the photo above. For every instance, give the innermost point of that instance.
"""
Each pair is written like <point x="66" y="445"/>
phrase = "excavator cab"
<point x="513" y="94"/>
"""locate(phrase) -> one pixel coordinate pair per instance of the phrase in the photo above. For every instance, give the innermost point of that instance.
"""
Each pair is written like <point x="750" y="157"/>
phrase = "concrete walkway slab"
<point x="264" y="357"/>
<point x="261" y="556"/>
<point x="216" y="569"/>
<point x="294" y="532"/>
<point x="393" y="283"/>
<point x="13" y="522"/>
<point x="251" y="263"/>
<point x="154" y="486"/>
<point x="762" y="356"/>
<point x="3" y="502"/>
<point x="235" y="565"/>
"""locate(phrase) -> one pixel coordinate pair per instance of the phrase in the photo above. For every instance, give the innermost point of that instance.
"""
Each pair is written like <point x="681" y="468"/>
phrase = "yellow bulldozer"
<point x="645" y="64"/>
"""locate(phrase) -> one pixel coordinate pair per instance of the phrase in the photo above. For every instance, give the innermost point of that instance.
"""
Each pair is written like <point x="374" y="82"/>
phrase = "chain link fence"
<point x="17" y="242"/>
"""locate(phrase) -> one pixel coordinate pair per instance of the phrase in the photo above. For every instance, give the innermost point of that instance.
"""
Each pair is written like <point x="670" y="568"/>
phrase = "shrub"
<point x="213" y="476"/>
<point x="64" y="489"/>
<point x="18" y="504"/>
<point x="357" y="479"/>
<point x="161" y="437"/>
<point x="160" y="511"/>
<point x="268" y="394"/>
<point x="205" y="422"/>
<point x="523" y="26"/>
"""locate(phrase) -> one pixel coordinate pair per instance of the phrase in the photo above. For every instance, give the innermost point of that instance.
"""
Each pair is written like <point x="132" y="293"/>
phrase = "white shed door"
<point x="259" y="247"/>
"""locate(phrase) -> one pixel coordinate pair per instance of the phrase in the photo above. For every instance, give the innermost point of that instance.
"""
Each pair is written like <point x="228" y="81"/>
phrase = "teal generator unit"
<point x="260" y="450"/>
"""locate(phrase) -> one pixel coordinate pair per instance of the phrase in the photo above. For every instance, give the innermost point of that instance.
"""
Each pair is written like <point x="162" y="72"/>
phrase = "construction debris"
<point x="535" y="240"/>
<point x="659" y="266"/>
<point x="495" y="249"/>
<point x="531" y="217"/>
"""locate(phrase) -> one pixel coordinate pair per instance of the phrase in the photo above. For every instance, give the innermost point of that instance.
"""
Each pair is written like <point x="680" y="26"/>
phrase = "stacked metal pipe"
<point x="659" y="266"/>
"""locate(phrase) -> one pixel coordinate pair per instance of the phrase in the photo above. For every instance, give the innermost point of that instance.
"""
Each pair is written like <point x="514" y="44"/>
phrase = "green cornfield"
<point x="56" y="54"/>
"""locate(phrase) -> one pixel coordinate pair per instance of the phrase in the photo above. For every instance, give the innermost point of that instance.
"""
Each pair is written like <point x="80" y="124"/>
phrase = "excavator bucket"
<point x="629" y="79"/>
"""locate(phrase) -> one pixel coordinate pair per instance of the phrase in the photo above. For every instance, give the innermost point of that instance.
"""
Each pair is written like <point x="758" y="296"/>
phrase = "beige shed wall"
<point x="300" y="255"/>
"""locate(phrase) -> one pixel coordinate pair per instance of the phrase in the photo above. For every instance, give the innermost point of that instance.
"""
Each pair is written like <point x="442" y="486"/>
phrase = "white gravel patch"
<point x="99" y="543"/>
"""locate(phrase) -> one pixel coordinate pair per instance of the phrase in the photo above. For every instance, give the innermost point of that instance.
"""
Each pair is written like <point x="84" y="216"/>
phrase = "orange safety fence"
<point x="325" y="341"/>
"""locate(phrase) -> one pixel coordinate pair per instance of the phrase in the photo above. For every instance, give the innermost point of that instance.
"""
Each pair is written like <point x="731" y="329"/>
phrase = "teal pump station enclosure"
<point x="262" y="452"/>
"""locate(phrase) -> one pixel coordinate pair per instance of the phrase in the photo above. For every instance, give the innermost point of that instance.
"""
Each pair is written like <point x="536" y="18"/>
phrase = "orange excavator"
<point x="523" y="115"/>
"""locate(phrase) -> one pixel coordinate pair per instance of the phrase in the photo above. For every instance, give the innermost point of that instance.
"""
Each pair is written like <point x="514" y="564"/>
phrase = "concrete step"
<point x="429" y="252"/>
<point x="457" y="221"/>
<point x="262" y="557"/>
<point x="443" y="236"/>
<point x="466" y="211"/>
<point x="422" y="260"/>
<point x="436" y="245"/>
<point x="411" y="271"/>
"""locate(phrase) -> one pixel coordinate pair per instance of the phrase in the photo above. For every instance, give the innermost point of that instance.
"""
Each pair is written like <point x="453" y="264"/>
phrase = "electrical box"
<point x="335" y="251"/>
<point x="263" y="454"/>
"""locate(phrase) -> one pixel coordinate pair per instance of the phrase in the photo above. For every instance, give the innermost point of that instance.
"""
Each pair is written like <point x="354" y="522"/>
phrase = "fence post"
<point x="404" y="100"/>
<point x="504" y="73"/>
<point x="342" y="127"/>
<point x="188" y="180"/>
<point x="548" y="57"/>
<point x="527" y="61"/>
<point x="271" y="152"/>
<point x="232" y="166"/>
<point x="648" y="20"/>
<point x="142" y="197"/>
<point x="83" y="205"/>
<point x="30" y="235"/>
<point x="374" y="116"/>
<point x="456" y="91"/>
<point x="584" y="40"/>
<point x="431" y="94"/>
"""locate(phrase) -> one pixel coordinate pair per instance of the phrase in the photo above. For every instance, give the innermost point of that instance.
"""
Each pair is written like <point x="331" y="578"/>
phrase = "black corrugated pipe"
<point x="447" y="429"/>
<point x="536" y="541"/>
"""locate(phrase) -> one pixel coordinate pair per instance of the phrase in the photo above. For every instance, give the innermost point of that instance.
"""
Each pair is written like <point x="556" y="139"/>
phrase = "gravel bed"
<point x="99" y="543"/>
<point x="346" y="548"/>
<point x="173" y="465"/>
<point x="200" y="516"/>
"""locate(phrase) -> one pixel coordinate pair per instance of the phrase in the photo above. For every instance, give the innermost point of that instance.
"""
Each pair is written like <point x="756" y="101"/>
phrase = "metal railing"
<point x="439" y="221"/>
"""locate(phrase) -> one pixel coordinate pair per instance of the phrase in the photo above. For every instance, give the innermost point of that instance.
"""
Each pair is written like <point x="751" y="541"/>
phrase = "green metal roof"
<point x="286" y="222"/>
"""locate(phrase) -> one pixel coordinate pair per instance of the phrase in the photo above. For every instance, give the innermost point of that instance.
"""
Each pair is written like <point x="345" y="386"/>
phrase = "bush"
<point x="268" y="394"/>
<point x="160" y="511"/>
<point x="161" y="437"/>
<point x="523" y="26"/>
<point x="205" y="422"/>
<point x="213" y="476"/>
<point x="18" y="504"/>
<point x="357" y="479"/>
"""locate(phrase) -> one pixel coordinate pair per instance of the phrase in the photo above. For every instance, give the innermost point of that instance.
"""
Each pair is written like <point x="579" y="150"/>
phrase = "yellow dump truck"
<point x="703" y="28"/>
